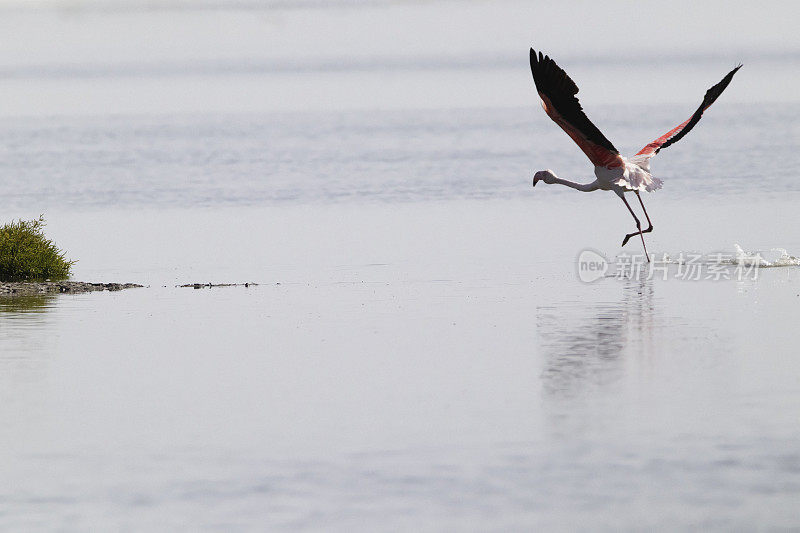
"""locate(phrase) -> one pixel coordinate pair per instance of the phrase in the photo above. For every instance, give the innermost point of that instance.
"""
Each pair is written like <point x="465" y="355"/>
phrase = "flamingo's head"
<point x="543" y="175"/>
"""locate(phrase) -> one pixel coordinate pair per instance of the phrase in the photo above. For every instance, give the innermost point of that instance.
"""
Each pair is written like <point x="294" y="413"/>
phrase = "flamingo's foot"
<point x="628" y="237"/>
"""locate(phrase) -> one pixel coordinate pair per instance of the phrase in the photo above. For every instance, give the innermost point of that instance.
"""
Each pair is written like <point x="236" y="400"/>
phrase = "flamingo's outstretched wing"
<point x="676" y="134"/>
<point x="557" y="92"/>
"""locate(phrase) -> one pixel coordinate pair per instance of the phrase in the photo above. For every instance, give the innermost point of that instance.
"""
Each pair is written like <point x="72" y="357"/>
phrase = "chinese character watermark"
<point x="686" y="266"/>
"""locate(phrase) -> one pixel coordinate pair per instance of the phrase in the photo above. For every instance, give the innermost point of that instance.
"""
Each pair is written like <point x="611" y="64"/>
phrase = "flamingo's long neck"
<point x="584" y="187"/>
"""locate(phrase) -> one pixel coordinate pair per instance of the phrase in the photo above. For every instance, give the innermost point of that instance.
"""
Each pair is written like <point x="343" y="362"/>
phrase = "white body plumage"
<point x="633" y="175"/>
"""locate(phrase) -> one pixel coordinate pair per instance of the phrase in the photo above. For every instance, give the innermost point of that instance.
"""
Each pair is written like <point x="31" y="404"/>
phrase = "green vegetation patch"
<point x="27" y="255"/>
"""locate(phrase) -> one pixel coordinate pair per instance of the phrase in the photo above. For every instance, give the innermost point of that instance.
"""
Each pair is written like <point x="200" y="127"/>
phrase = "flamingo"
<point x="613" y="171"/>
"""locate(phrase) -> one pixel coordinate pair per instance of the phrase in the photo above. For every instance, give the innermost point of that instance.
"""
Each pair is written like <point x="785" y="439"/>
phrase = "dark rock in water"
<point x="71" y="287"/>
<point x="210" y="285"/>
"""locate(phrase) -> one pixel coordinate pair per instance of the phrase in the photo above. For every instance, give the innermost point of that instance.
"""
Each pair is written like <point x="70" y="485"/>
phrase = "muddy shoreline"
<point x="59" y="287"/>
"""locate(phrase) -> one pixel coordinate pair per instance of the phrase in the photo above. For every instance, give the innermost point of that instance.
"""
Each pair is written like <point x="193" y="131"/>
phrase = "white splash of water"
<point x="785" y="259"/>
<point x="776" y="257"/>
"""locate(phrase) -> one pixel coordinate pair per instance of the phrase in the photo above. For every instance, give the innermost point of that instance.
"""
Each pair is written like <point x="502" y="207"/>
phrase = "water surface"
<point x="419" y="352"/>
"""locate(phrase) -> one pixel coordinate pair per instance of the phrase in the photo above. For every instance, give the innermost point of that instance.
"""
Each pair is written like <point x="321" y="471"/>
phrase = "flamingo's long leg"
<point x="638" y="226"/>
<point x="649" y="224"/>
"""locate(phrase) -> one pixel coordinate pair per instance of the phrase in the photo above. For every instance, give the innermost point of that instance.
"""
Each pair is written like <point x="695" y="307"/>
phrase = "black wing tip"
<point x="537" y="57"/>
<point x="729" y="76"/>
<point x="539" y="66"/>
